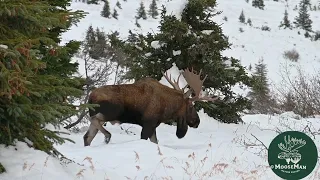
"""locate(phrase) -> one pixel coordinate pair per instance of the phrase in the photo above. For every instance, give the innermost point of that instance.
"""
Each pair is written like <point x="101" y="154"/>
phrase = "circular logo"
<point x="292" y="155"/>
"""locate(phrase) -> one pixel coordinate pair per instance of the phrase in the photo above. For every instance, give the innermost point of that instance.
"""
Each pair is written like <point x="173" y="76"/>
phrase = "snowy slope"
<point x="253" y="43"/>
<point x="214" y="150"/>
<point x="249" y="46"/>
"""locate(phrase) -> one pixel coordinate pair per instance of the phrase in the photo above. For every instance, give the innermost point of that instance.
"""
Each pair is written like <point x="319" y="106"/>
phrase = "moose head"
<point x="195" y="83"/>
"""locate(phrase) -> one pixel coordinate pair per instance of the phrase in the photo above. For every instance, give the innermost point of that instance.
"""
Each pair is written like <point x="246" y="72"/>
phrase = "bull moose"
<point x="147" y="103"/>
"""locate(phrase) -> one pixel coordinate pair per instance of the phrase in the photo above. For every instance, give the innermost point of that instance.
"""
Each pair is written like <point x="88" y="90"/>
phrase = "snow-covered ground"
<point x="214" y="150"/>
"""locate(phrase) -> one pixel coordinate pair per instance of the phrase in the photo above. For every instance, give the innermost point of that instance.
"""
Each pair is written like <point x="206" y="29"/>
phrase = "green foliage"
<point x="317" y="36"/>
<point x="92" y="1"/>
<point x="303" y="19"/>
<point x="141" y="12"/>
<point x="118" y="5"/>
<point x="106" y="10"/>
<point x="36" y="75"/>
<point x="289" y="103"/>
<point x="258" y="4"/>
<point x="137" y="24"/>
<point x="2" y="169"/>
<point x="115" y="14"/>
<point x="153" y="9"/>
<point x="242" y="18"/>
<point x="249" y="22"/>
<point x="96" y="43"/>
<point x="285" y="23"/>
<point x="194" y="41"/>
<point x="260" y="93"/>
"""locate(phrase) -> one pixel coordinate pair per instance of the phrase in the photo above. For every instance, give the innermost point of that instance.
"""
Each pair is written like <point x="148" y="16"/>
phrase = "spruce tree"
<point x="303" y="20"/>
<point x="37" y="75"/>
<point x="2" y="169"/>
<point x="92" y="1"/>
<point x="137" y="23"/>
<point x="90" y="39"/>
<point x="153" y="9"/>
<point x="118" y="5"/>
<point x="100" y="47"/>
<point x="106" y="10"/>
<point x="261" y="4"/>
<point x="255" y="3"/>
<point x="115" y="14"/>
<point x="289" y="103"/>
<point x="201" y="42"/>
<point x="285" y="23"/>
<point x="242" y="18"/>
<point x="249" y="21"/>
<point x="260" y="93"/>
<point x="317" y="36"/>
<point x="258" y="4"/>
<point x="141" y="12"/>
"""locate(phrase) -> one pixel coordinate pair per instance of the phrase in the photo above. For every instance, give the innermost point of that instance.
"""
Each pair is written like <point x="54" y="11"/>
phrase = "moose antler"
<point x="174" y="83"/>
<point x="196" y="83"/>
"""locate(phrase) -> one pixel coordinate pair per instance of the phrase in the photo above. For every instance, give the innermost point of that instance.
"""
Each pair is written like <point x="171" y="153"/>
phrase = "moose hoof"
<point x="107" y="139"/>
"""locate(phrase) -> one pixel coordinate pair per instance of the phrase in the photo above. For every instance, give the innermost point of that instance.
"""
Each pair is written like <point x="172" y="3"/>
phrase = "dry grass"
<point x="292" y="55"/>
<point x="195" y="166"/>
<point x="300" y="94"/>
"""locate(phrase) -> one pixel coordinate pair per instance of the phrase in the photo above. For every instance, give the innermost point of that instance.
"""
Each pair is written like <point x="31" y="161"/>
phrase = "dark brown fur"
<point x="146" y="103"/>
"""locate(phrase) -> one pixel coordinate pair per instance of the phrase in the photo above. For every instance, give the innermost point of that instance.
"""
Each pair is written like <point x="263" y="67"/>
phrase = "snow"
<point x="253" y="43"/>
<point x="156" y="44"/>
<point x="176" y="53"/>
<point x="228" y="63"/>
<point x="148" y="54"/>
<point x="3" y="46"/>
<point x="222" y="151"/>
<point x="249" y="47"/>
<point x="213" y="150"/>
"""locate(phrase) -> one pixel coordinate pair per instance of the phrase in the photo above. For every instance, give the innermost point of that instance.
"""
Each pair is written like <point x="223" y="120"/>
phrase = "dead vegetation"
<point x="300" y="93"/>
<point x="292" y="55"/>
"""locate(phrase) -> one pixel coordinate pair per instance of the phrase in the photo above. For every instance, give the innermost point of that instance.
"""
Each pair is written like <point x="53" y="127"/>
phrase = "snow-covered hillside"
<point x="248" y="46"/>
<point x="213" y="150"/>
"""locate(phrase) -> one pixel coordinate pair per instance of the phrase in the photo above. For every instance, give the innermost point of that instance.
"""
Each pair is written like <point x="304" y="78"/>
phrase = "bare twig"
<point x="260" y="141"/>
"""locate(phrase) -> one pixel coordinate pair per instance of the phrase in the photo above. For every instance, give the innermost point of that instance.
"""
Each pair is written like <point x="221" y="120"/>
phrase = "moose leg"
<point x="91" y="133"/>
<point x="146" y="132"/>
<point x="97" y="122"/>
<point x="149" y="131"/>
<point x="153" y="137"/>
